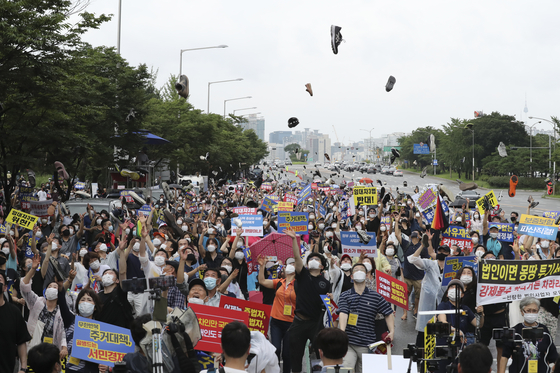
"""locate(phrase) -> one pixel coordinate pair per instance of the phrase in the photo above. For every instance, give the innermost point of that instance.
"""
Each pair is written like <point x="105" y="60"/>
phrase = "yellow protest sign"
<point x="24" y="220"/>
<point x="285" y="206"/>
<point x="429" y="344"/>
<point x="365" y="195"/>
<point x="491" y="197"/>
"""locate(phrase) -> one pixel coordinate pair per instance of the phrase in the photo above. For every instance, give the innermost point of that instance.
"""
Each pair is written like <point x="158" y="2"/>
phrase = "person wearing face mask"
<point x="94" y="269"/>
<point x="233" y="289"/>
<point x="432" y="291"/>
<point x="500" y="249"/>
<point x="53" y="262"/>
<point x="194" y="289"/>
<point x="468" y="278"/>
<point x="88" y="305"/>
<point x="69" y="240"/>
<point x="238" y="258"/>
<point x="358" y="308"/>
<point x="212" y="281"/>
<point x="542" y="350"/>
<point x="308" y="315"/>
<point x="116" y="309"/>
<point x="373" y="221"/>
<point x="283" y="308"/>
<point x="9" y="250"/>
<point x="453" y="296"/>
<point x="476" y="222"/>
<point x="331" y="240"/>
<point x="212" y="257"/>
<point x="321" y="225"/>
<point x="45" y="322"/>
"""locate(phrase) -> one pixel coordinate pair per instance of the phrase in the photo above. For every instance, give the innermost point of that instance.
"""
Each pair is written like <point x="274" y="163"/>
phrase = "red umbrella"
<point x="274" y="245"/>
<point x="366" y="180"/>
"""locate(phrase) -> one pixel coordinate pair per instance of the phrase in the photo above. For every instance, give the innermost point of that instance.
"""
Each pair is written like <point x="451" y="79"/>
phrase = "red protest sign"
<point x="314" y="186"/>
<point x="259" y="314"/>
<point x="211" y="321"/>
<point x="393" y="290"/>
<point x="245" y="210"/>
<point x="288" y="197"/>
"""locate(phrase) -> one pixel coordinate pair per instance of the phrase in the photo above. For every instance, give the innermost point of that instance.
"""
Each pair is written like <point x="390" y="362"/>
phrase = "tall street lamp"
<point x="244" y="115"/>
<point x="247" y="108"/>
<point x="193" y="49"/>
<point x="469" y="126"/>
<point x="369" y="147"/>
<point x="554" y="169"/>
<point x="531" y="145"/>
<point x="233" y="99"/>
<point x="219" y="81"/>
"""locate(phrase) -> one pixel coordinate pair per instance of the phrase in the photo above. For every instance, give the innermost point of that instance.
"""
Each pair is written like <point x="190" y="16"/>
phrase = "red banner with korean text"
<point x="211" y="321"/>
<point x="393" y="290"/>
<point x="259" y="314"/>
<point x="509" y="280"/>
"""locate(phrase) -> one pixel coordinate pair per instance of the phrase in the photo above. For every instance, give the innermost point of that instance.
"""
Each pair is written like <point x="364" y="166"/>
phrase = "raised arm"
<point x="263" y="281"/>
<point x="238" y="233"/>
<point x="485" y="223"/>
<point x="45" y="265"/>
<point x="223" y="287"/>
<point x="297" y="255"/>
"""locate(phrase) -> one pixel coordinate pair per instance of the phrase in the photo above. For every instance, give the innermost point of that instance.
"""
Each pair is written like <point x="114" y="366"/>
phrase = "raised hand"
<point x="290" y="233"/>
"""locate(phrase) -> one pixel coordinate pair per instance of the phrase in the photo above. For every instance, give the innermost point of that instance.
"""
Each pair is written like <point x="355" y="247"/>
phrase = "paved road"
<point x="405" y="332"/>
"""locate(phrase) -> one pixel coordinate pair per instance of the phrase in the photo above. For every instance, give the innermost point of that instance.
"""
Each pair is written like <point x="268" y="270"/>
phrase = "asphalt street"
<point x="405" y="332"/>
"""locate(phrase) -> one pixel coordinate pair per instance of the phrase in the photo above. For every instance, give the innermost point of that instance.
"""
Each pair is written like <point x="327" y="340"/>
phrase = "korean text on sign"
<point x="23" y="219"/>
<point x="491" y="198"/>
<point x="393" y="290"/>
<point x="259" y="314"/>
<point x="99" y="342"/>
<point x="352" y="246"/>
<point x="455" y="235"/>
<point x="426" y="198"/>
<point x="454" y="264"/>
<point x="507" y="280"/>
<point x="298" y="221"/>
<point x="505" y="231"/>
<point x="537" y="227"/>
<point x="365" y="195"/>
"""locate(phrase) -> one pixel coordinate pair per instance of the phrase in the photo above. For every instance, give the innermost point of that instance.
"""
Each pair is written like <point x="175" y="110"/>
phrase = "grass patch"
<point x="454" y="176"/>
<point x="299" y="163"/>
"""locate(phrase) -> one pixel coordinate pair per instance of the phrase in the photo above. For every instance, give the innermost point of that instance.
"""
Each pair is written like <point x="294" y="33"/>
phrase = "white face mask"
<point x="54" y="246"/>
<point x="211" y="248"/>
<point x="494" y="235"/>
<point x="358" y="226"/>
<point x="311" y="216"/>
<point x="310" y="226"/>
<point x="228" y="268"/>
<point x="346" y="266"/>
<point x="390" y="251"/>
<point x="211" y="231"/>
<point x="474" y="240"/>
<point x="196" y="301"/>
<point x="6" y="251"/>
<point x="335" y="209"/>
<point x="51" y="294"/>
<point x="359" y="276"/>
<point x="83" y="252"/>
<point x="314" y="264"/>
<point x="333" y="226"/>
<point x="361" y="213"/>
<point x="329" y="234"/>
<point x="321" y="226"/>
<point x="185" y="228"/>
<point x="371" y="216"/>
<point x="156" y="242"/>
<point x="417" y="215"/>
<point x="159" y="261"/>
<point x="71" y="231"/>
<point x="107" y="280"/>
<point x="368" y="266"/>
<point x="383" y="228"/>
<point x="86" y="309"/>
<point x="39" y="234"/>
<point x="95" y="265"/>
<point x="239" y="255"/>
<point x="98" y="221"/>
<point x="452" y="294"/>
<point x="466" y="279"/>
<point x="530" y="318"/>
<point x="222" y="213"/>
<point x="136" y="247"/>
<point x="103" y="247"/>
<point x="479" y="253"/>
<point x="127" y="231"/>
<point x="163" y="246"/>
<point x="545" y="244"/>
<point x="290" y="269"/>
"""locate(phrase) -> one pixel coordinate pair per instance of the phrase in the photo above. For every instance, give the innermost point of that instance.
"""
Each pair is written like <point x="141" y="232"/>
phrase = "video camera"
<point x="508" y="334"/>
<point x="138" y="285"/>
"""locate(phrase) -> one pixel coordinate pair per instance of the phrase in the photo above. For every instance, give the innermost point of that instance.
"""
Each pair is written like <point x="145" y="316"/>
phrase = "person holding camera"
<point x="533" y="354"/>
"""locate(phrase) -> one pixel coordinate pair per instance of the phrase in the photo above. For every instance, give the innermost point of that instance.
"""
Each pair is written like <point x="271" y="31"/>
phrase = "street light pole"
<point x="549" y="152"/>
<point x="473" y="155"/>
<point x="192" y="49"/>
<point x="247" y="108"/>
<point x="119" y="30"/>
<point x="232" y="99"/>
<point x="219" y="81"/>
<point x="369" y="148"/>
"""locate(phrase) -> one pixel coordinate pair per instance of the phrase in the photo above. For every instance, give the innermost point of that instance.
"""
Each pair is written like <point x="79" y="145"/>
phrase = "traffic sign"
<point x="421" y="149"/>
<point x="435" y="162"/>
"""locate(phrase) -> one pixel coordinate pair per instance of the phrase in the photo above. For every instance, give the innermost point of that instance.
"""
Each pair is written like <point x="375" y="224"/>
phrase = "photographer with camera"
<point x="531" y="354"/>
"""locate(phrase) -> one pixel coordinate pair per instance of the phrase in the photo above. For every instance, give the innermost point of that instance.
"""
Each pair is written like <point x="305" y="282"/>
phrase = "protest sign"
<point x="40" y="208"/>
<point x="245" y="210"/>
<point x="505" y="231"/>
<point x="387" y="221"/>
<point x="365" y="195"/>
<point x="101" y="343"/>
<point x="429" y="344"/>
<point x="332" y="308"/>
<point x="289" y="197"/>
<point x="252" y="225"/>
<point x="551" y="214"/>
<point x="211" y="321"/>
<point x="24" y="220"/>
<point x="26" y="196"/>
<point x="323" y="187"/>
<point x="343" y="208"/>
<point x="80" y="185"/>
<point x="285" y="206"/>
<point x="454" y="264"/>
<point x="537" y="227"/>
<point x="205" y="361"/>
<point x="509" y="280"/>
<point x="269" y="205"/>
<point x="266" y="186"/>
<point x="394" y="291"/>
<point x="426" y="198"/>
<point x="352" y="246"/>
<point x="491" y="198"/>
<point x="298" y="221"/>
<point x="429" y="213"/>
<point x="146" y="210"/>
<point x="304" y="194"/>
<point x="259" y="314"/>
<point x="127" y="196"/>
<point x="456" y="235"/>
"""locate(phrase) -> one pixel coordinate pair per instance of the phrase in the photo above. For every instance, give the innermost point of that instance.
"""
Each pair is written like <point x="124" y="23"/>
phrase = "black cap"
<point x="198" y="281"/>
<point x="444" y="248"/>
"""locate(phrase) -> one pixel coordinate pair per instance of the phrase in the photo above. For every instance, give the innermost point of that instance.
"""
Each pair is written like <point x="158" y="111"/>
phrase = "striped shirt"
<point x="366" y="306"/>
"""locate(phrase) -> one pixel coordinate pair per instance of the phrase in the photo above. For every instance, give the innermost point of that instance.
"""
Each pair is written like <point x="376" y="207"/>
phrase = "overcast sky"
<point x="449" y="58"/>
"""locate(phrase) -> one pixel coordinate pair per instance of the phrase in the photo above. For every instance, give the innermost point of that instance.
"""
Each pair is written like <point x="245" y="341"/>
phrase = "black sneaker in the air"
<point x="363" y="236"/>
<point x="336" y="38"/>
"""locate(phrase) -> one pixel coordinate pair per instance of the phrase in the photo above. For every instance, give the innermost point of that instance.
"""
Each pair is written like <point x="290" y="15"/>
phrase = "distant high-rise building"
<point x="277" y="137"/>
<point x="256" y="124"/>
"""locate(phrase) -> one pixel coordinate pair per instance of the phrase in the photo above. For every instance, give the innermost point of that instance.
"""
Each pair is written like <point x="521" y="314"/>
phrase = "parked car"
<point x="384" y="170"/>
<point x="398" y="173"/>
<point x="391" y="170"/>
<point x="288" y="162"/>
